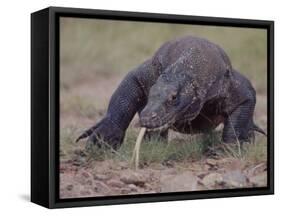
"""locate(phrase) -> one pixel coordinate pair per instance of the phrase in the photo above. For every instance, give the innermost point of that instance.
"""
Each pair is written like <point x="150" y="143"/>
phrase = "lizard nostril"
<point x="153" y="114"/>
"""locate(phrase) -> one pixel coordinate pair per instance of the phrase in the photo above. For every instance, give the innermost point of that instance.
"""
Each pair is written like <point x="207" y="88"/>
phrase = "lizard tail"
<point x="258" y="129"/>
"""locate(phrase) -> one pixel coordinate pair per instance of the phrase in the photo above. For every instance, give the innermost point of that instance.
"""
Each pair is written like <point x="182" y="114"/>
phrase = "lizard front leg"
<point x="124" y="103"/>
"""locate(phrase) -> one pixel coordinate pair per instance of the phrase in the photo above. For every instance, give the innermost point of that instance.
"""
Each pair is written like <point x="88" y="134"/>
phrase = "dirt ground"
<point x="106" y="178"/>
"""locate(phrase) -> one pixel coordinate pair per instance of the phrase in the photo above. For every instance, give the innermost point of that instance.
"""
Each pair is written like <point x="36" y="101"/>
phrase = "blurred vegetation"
<point x="92" y="47"/>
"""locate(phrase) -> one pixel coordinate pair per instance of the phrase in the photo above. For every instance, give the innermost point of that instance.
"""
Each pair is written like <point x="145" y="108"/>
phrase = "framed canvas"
<point x="139" y="107"/>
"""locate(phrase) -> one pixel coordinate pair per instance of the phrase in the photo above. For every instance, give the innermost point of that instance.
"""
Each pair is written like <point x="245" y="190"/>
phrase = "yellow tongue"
<point x="137" y="147"/>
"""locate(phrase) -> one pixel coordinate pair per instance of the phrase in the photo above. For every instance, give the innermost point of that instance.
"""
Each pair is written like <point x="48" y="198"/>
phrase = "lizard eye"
<point x="173" y="99"/>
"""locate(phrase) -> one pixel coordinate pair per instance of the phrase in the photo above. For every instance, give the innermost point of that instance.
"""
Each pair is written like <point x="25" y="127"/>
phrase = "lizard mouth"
<point x="159" y="124"/>
<point x="169" y="122"/>
<point x="153" y="123"/>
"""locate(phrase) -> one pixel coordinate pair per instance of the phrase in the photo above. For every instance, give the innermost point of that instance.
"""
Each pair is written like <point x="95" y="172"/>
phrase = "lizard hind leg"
<point x="238" y="126"/>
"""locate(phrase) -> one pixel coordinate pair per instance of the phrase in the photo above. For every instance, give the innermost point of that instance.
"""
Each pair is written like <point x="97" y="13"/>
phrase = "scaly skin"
<point x="189" y="86"/>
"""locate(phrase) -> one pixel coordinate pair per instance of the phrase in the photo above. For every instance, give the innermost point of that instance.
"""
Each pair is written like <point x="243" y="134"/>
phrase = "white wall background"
<point x="15" y="106"/>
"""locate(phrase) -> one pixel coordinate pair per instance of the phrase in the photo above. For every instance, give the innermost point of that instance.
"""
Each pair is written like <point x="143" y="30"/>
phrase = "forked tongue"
<point x="135" y="156"/>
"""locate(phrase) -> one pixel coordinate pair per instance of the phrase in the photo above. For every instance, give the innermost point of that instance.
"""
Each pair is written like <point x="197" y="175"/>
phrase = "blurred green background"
<point x="96" y="54"/>
<point x="92" y="47"/>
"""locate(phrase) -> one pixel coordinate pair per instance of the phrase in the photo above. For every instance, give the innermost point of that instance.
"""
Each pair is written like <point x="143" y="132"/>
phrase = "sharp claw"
<point x="77" y="140"/>
<point x="85" y="134"/>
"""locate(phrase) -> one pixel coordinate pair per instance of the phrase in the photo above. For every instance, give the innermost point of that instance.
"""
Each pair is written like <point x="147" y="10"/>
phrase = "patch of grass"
<point x="189" y="148"/>
<point x="256" y="152"/>
<point x="67" y="141"/>
<point x="250" y="152"/>
<point x="157" y="151"/>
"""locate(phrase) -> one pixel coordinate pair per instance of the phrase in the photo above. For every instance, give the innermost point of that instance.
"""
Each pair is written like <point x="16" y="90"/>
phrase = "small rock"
<point x="115" y="183"/>
<point x="201" y="175"/>
<point x="259" y="180"/>
<point x="234" y="179"/>
<point x="125" y="190"/>
<point x="133" y="178"/>
<point x="101" y="177"/>
<point x="235" y="164"/>
<point x="102" y="188"/>
<point x="78" y="161"/>
<point x="147" y="186"/>
<point x="195" y="167"/>
<point x="211" y="162"/>
<point x="186" y="181"/>
<point x="168" y="163"/>
<point x="69" y="187"/>
<point x="133" y="187"/>
<point x="206" y="167"/>
<point x="86" y="174"/>
<point x="89" y="182"/>
<point x="101" y="166"/>
<point x="123" y="165"/>
<point x="211" y="180"/>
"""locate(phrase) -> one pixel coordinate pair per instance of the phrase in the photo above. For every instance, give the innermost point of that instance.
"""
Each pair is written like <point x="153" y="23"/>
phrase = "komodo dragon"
<point x="188" y="86"/>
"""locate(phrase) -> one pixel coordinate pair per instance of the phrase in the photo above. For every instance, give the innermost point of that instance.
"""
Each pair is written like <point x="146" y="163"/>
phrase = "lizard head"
<point x="172" y="96"/>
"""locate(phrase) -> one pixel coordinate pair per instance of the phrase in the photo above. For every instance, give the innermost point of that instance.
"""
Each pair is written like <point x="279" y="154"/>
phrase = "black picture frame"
<point x="45" y="106"/>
